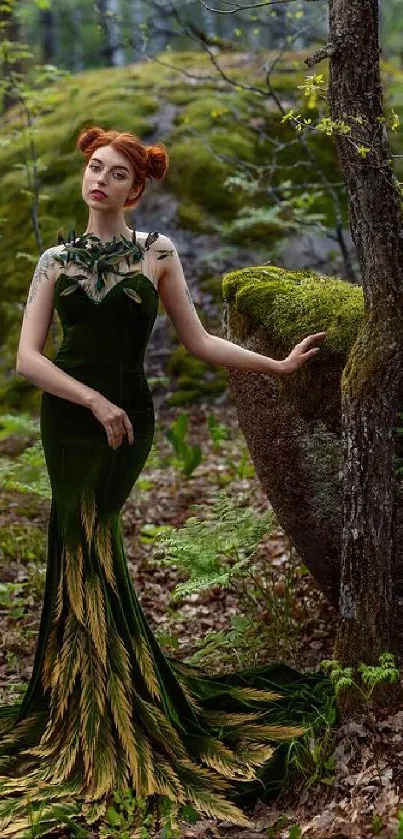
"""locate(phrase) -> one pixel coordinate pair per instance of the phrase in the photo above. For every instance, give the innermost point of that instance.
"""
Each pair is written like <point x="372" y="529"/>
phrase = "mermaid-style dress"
<point x="105" y="707"/>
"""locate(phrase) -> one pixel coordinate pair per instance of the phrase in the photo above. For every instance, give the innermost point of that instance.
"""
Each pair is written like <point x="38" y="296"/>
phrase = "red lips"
<point x="98" y="192"/>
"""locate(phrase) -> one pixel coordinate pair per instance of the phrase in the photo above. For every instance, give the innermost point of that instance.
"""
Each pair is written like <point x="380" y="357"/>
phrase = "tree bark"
<point x="372" y="383"/>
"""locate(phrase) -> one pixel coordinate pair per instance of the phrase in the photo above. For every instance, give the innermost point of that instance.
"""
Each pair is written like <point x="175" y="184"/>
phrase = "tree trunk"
<point x="373" y="378"/>
<point x="108" y="50"/>
<point x="47" y="30"/>
<point x="11" y="65"/>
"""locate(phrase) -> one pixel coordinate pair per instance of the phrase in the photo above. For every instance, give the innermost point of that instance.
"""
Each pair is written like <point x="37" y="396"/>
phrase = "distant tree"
<point x="10" y="58"/>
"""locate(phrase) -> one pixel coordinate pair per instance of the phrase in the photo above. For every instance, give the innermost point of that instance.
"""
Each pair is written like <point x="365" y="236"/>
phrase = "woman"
<point x="105" y="708"/>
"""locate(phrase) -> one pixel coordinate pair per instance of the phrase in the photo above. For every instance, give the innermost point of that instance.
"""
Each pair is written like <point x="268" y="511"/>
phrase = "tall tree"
<point x="373" y="378"/>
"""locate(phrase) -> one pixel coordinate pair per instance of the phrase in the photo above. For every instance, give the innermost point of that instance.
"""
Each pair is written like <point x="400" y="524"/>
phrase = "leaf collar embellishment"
<point x="93" y="255"/>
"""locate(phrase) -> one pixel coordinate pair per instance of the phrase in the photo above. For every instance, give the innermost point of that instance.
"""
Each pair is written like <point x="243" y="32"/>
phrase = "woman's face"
<point x="111" y="173"/>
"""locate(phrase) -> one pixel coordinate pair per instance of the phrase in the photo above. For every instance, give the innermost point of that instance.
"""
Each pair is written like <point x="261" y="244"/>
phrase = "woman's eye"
<point x="94" y="168"/>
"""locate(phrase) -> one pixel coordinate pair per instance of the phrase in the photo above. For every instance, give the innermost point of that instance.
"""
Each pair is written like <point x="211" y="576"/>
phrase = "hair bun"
<point x="157" y="162"/>
<point x="87" y="136"/>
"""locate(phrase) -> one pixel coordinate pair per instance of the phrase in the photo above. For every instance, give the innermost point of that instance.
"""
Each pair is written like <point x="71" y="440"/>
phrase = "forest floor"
<point x="360" y="762"/>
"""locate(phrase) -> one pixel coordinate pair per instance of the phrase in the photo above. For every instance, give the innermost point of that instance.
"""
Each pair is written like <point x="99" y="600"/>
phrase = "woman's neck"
<point x="106" y="232"/>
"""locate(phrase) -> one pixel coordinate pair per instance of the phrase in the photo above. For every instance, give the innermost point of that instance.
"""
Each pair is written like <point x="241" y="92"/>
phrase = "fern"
<point x="26" y="473"/>
<point x="216" y="545"/>
<point x="21" y="424"/>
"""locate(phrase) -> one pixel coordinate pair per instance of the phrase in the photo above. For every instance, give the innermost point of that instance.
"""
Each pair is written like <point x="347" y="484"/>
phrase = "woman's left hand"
<point x="300" y="353"/>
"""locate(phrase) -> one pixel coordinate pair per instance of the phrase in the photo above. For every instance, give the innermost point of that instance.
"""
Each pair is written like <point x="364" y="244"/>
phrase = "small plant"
<point x="10" y="602"/>
<point x="364" y="678"/>
<point x="283" y="821"/>
<point x="295" y="832"/>
<point x="218" y="431"/>
<point x="189" y="456"/>
<point x="377" y="824"/>
<point x="137" y="817"/>
<point x="131" y="812"/>
<point x="311" y="756"/>
<point x="359" y="683"/>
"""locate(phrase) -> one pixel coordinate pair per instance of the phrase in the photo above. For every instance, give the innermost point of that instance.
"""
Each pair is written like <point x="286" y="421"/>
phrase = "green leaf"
<point x="113" y="817"/>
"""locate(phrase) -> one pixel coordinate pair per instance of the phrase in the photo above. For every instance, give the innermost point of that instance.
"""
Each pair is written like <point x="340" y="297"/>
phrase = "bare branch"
<point x="244" y="8"/>
<point x="324" y="52"/>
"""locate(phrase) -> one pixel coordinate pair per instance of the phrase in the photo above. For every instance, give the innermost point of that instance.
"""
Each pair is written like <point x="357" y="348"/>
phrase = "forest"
<point x="265" y="531"/>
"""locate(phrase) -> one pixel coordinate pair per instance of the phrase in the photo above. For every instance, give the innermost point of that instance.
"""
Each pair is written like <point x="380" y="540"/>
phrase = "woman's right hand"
<point x="114" y="420"/>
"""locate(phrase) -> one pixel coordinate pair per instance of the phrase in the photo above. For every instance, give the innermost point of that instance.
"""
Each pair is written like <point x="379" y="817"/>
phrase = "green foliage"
<point x="217" y="547"/>
<point x="189" y="456"/>
<point x="133" y="818"/>
<point x="399" y="816"/>
<point x="26" y="473"/>
<point x="377" y="824"/>
<point x="42" y="815"/>
<point x="21" y="424"/>
<point x="283" y="821"/>
<point x="218" y="431"/>
<point x="10" y="599"/>
<point x="22" y="543"/>
<point x="284" y="217"/>
<point x="364" y="678"/>
<point x="311" y="757"/>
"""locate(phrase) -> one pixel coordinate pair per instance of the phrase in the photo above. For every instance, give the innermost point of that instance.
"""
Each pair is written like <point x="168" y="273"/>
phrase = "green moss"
<point x="293" y="304"/>
<point x="194" y="377"/>
<point x="277" y="308"/>
<point x="192" y="172"/>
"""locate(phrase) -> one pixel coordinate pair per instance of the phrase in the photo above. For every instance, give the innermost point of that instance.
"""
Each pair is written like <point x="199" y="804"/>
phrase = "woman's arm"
<point x="178" y="304"/>
<point x="37" y="319"/>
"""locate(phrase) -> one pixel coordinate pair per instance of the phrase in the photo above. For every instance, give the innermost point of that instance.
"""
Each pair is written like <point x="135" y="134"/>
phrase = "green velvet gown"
<point x="106" y="708"/>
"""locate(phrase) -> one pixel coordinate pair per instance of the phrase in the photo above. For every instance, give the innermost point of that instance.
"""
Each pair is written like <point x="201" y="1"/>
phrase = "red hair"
<point x="148" y="161"/>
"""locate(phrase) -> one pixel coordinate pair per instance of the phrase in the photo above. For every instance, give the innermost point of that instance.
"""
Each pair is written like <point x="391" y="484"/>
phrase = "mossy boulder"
<point x="292" y="423"/>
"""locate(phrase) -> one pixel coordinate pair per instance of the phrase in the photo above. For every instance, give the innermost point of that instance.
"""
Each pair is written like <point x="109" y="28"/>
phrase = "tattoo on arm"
<point x="40" y="274"/>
